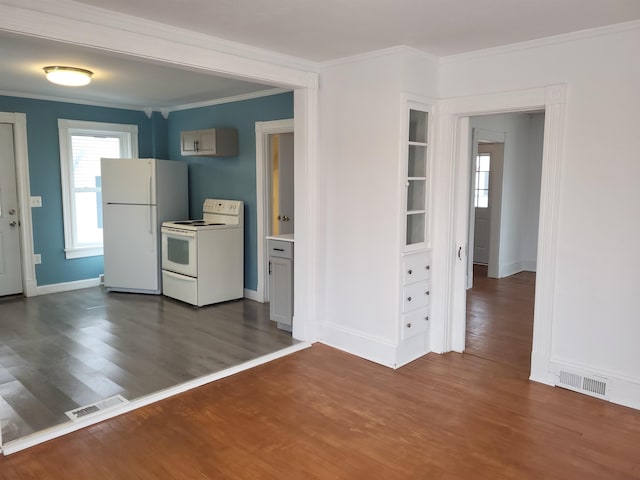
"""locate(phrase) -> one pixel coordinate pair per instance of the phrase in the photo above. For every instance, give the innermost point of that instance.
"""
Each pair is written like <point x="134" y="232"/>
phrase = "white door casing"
<point x="449" y="312"/>
<point x="10" y="255"/>
<point x="263" y="132"/>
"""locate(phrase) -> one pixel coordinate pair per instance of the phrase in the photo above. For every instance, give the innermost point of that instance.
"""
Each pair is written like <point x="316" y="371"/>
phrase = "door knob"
<point x="285" y="219"/>
<point x="12" y="211"/>
<point x="13" y="224"/>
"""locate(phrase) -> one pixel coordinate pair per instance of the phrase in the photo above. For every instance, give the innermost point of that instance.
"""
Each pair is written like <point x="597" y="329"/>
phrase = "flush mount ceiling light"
<point x="68" y="76"/>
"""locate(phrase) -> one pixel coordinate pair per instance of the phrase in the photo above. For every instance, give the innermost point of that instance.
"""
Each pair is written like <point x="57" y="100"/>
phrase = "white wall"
<point x="359" y="151"/>
<point x="522" y="169"/>
<point x="596" y="324"/>
<point x="531" y="213"/>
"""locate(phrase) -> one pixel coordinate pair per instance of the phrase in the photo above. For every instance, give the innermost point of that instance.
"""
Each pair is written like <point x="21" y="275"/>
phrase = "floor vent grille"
<point x="90" y="410"/>
<point x="590" y="385"/>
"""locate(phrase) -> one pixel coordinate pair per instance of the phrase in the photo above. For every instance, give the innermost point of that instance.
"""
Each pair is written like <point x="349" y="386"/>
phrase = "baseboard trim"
<point x="253" y="295"/>
<point x="65" y="287"/>
<point x="358" y="343"/>
<point x="59" y="430"/>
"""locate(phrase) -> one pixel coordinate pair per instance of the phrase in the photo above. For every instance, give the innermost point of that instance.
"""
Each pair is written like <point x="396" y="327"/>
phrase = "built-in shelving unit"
<point x="415" y="301"/>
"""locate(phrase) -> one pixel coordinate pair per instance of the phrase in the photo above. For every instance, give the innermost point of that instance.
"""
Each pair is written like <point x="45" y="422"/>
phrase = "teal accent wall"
<point x="231" y="178"/>
<point x="44" y="176"/>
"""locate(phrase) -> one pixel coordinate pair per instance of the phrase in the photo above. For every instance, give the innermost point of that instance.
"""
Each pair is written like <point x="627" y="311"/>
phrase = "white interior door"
<point x="10" y="256"/>
<point x="282" y="184"/>
<point x="482" y="206"/>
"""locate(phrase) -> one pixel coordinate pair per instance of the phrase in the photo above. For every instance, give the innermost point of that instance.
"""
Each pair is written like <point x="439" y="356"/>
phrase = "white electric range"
<point x="203" y="260"/>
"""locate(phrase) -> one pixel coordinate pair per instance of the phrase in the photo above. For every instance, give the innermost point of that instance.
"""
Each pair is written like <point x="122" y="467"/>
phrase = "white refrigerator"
<point x="137" y="196"/>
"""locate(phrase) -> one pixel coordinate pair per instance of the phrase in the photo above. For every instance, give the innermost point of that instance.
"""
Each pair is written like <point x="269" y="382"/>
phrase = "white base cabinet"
<point x="281" y="283"/>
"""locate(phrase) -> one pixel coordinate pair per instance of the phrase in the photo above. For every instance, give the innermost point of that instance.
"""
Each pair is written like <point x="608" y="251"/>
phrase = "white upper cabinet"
<point x="415" y="174"/>
<point x="212" y="142"/>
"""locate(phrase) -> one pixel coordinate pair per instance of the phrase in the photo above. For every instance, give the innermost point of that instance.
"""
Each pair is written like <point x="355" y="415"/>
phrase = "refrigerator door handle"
<point x="150" y="203"/>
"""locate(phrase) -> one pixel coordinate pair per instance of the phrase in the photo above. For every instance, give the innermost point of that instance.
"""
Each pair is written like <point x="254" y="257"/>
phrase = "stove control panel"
<point x="225" y="207"/>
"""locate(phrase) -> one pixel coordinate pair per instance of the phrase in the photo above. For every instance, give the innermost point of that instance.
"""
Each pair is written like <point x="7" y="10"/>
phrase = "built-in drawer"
<point x="416" y="295"/>
<point x="416" y="267"/>
<point x="280" y="248"/>
<point x="415" y="323"/>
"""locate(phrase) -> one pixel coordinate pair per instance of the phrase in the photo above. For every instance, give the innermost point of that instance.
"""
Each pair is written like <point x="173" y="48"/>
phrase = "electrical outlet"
<point x="36" y="201"/>
<point x="37" y="259"/>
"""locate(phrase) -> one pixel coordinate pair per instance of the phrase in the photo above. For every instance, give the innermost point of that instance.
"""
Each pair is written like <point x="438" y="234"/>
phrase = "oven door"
<point x="179" y="251"/>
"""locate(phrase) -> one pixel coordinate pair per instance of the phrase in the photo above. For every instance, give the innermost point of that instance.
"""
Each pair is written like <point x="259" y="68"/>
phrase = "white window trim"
<point x="65" y="129"/>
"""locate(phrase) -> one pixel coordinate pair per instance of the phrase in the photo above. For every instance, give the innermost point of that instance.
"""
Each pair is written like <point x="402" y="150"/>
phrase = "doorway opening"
<point x="274" y="193"/>
<point x="504" y="209"/>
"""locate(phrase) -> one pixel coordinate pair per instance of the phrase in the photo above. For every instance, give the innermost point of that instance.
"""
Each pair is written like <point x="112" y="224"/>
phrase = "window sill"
<point x="82" y="252"/>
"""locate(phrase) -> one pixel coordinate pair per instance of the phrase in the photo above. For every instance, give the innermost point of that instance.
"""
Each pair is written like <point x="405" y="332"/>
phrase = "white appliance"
<point x="203" y="260"/>
<point x="137" y="196"/>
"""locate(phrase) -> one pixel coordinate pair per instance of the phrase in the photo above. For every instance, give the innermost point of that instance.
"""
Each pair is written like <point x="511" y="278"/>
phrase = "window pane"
<point x="88" y="227"/>
<point x="483" y="199"/>
<point x="484" y="160"/>
<point x="483" y="180"/>
<point x="87" y="150"/>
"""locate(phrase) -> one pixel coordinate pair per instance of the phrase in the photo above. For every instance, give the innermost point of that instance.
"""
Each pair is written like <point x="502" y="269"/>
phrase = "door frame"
<point x="495" y="200"/>
<point x="21" y="159"/>
<point x="448" y="329"/>
<point x="263" y="161"/>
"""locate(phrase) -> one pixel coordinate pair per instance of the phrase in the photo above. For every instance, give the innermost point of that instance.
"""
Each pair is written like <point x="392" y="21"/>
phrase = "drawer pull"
<point x="408" y="299"/>
<point x="279" y="249"/>
<point x="428" y="267"/>
<point x="410" y="272"/>
<point x="427" y="292"/>
<point x="426" y="318"/>
<point x="408" y="325"/>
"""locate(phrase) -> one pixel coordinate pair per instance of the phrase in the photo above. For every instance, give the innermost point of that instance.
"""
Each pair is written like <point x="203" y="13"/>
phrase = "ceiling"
<point x="317" y="31"/>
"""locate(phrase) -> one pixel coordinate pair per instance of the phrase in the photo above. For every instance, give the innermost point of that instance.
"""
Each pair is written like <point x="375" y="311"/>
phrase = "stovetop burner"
<point x="196" y="223"/>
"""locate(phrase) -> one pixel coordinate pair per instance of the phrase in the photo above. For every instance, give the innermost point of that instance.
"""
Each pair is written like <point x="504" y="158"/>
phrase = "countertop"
<point x="286" y="237"/>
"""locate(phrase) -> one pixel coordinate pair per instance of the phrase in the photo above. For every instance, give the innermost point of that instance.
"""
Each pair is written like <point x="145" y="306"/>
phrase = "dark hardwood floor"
<point x="63" y="351"/>
<point x="324" y="414"/>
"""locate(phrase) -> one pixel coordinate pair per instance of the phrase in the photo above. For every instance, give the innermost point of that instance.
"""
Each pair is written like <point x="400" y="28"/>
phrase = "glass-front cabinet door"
<point x="416" y="175"/>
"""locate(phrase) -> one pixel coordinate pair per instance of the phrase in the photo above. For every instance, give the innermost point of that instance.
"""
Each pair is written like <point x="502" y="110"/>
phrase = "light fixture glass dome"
<point x="68" y="76"/>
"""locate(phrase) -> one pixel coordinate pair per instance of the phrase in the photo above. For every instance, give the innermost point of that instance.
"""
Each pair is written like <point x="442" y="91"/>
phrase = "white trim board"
<point x="448" y="329"/>
<point x="62" y="429"/>
<point x="66" y="286"/>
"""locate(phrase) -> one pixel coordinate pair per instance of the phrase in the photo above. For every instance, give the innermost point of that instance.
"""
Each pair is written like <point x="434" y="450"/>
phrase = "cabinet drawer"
<point x="415" y="323"/>
<point x="416" y="268"/>
<point x="280" y="248"/>
<point x="416" y="295"/>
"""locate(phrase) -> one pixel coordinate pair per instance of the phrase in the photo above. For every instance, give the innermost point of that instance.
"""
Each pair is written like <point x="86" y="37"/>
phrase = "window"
<point x="483" y="161"/>
<point x="82" y="145"/>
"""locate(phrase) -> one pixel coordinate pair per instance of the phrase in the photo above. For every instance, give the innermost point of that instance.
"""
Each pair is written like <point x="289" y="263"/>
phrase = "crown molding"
<point x="385" y="52"/>
<point x="220" y="101"/>
<point x="542" y="42"/>
<point x="165" y="111"/>
<point x="89" y="103"/>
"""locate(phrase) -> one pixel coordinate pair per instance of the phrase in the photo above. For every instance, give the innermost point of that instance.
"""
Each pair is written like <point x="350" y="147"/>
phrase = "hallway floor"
<point x="500" y="319"/>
